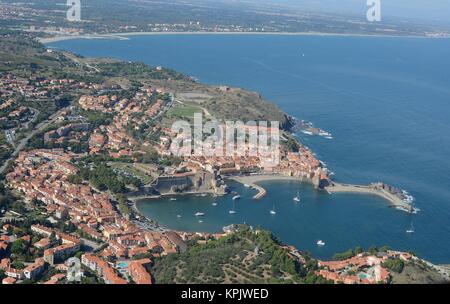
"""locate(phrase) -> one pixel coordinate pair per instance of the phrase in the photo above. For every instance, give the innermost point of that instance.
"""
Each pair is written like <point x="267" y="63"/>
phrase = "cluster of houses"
<point x="38" y="87"/>
<point x="136" y="111"/>
<point x="361" y="269"/>
<point x="302" y="164"/>
<point x="43" y="175"/>
<point x="133" y="112"/>
<point x="72" y="132"/>
<point x="51" y="253"/>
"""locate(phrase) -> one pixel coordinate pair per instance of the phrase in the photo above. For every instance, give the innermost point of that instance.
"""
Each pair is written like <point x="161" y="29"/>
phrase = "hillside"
<point x="417" y="272"/>
<point x="247" y="256"/>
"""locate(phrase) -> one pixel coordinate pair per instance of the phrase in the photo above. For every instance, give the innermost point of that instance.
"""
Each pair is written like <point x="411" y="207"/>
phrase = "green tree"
<point x="19" y="247"/>
<point x="395" y="265"/>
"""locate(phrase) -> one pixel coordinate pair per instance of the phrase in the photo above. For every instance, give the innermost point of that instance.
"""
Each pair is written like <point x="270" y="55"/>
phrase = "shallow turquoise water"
<point x="386" y="101"/>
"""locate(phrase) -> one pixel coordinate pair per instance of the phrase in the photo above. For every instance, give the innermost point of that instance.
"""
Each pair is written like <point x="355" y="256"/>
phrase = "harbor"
<point x="393" y="196"/>
<point x="317" y="216"/>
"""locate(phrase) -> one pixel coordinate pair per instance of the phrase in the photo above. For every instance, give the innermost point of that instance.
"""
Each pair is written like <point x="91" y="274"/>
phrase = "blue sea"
<point x="385" y="100"/>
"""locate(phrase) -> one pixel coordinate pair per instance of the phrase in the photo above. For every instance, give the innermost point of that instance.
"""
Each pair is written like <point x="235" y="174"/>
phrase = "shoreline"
<point x="252" y="181"/>
<point x="135" y="199"/>
<point x="124" y="36"/>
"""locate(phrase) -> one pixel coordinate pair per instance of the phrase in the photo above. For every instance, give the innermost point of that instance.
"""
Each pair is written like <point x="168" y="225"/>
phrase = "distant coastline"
<point x="124" y="36"/>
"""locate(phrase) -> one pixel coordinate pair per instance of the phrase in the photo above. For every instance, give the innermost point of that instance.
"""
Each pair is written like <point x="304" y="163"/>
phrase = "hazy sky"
<point x="430" y="10"/>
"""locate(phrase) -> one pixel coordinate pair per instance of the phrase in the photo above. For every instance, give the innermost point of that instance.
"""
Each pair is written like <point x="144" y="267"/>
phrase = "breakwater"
<point x="252" y="180"/>
<point x="393" y="199"/>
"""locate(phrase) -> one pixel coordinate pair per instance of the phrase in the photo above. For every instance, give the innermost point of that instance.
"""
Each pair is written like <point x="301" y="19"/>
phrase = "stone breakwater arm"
<point x="252" y="180"/>
<point x="261" y="191"/>
<point x="391" y="198"/>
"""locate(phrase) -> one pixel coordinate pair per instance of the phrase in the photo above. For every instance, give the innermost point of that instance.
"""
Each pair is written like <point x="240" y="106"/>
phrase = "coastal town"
<point x="69" y="175"/>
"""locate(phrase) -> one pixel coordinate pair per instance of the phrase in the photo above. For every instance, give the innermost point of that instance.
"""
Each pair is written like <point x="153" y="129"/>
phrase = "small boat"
<point x="297" y="198"/>
<point x="320" y="243"/>
<point x="203" y="194"/>
<point x="232" y="211"/>
<point x="173" y="199"/>
<point x="236" y="197"/>
<point x="214" y="204"/>
<point x="307" y="132"/>
<point x="273" y="212"/>
<point x="329" y="137"/>
<point x="179" y="216"/>
<point x="411" y="229"/>
<point x="246" y="186"/>
<point x="200" y="221"/>
<point x="199" y="214"/>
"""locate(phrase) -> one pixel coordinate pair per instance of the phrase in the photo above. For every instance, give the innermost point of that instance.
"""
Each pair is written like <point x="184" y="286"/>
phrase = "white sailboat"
<point x="232" y="211"/>
<point x="273" y="212"/>
<point x="297" y="198"/>
<point x="411" y="228"/>
<point x="320" y="243"/>
<point x="199" y="214"/>
<point x="236" y="197"/>
<point x="179" y="216"/>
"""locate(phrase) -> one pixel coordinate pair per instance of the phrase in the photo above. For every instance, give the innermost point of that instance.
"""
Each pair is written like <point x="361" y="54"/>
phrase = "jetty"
<point x="394" y="199"/>
<point x="252" y="181"/>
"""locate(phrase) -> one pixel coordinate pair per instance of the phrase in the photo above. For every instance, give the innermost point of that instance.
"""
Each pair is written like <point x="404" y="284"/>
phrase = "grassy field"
<point x="131" y="169"/>
<point x="184" y="111"/>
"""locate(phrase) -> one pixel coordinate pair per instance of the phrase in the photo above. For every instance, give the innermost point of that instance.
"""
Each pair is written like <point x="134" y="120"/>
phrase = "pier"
<point x="252" y="181"/>
<point x="261" y="191"/>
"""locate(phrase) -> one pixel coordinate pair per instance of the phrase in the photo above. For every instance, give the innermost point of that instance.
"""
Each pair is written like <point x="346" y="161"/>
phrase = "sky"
<point x="436" y="11"/>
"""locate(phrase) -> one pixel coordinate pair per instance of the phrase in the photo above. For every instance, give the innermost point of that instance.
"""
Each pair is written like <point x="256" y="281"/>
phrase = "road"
<point x="78" y="61"/>
<point x="39" y="127"/>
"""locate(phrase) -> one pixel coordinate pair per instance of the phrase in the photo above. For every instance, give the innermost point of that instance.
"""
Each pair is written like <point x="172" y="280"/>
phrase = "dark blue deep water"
<point x="385" y="100"/>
